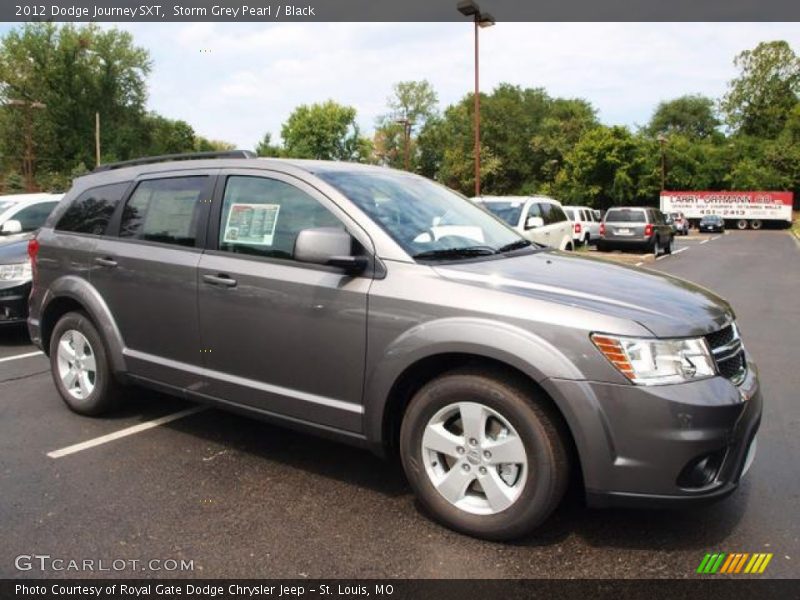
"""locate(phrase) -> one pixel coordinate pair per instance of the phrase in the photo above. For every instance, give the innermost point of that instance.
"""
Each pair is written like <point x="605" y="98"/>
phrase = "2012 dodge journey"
<point x="384" y="310"/>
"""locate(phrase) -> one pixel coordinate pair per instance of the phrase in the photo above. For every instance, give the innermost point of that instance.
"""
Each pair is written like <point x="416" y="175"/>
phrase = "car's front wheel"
<point x="484" y="454"/>
<point x="80" y="366"/>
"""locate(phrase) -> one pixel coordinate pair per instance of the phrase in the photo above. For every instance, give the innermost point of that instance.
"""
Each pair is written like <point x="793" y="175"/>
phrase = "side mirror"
<point x="534" y="222"/>
<point x="11" y="226"/>
<point x="328" y="246"/>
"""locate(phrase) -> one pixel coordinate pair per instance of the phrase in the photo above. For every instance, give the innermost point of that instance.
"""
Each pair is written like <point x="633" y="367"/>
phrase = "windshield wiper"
<point x="513" y="246"/>
<point x="445" y="253"/>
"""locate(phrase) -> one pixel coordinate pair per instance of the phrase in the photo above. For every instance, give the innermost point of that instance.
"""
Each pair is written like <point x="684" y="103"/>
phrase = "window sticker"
<point x="252" y="224"/>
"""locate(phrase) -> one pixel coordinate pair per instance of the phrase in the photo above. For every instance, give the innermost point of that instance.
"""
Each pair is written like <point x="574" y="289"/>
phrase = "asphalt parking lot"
<point x="244" y="499"/>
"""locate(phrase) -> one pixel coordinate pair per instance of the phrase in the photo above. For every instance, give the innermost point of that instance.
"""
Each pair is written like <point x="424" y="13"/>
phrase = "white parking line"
<point x="716" y="237"/>
<point x="104" y="439"/>
<point x="639" y="264"/>
<point x="705" y="241"/>
<point x="684" y="249"/>
<point x="19" y="356"/>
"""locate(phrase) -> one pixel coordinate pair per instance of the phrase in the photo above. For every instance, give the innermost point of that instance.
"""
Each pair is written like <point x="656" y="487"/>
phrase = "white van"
<point x="585" y="226"/>
<point x="538" y="218"/>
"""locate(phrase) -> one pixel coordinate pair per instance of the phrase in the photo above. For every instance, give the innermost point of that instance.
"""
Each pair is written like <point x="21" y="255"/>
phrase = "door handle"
<point x="220" y="280"/>
<point x="106" y="262"/>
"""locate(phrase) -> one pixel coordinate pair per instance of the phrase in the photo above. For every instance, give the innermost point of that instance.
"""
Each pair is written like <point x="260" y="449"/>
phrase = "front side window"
<point x="262" y="217"/>
<point x="552" y="213"/>
<point x="164" y="210"/>
<point x="33" y="217"/>
<point x="91" y="211"/>
<point x="427" y="220"/>
<point x="571" y="213"/>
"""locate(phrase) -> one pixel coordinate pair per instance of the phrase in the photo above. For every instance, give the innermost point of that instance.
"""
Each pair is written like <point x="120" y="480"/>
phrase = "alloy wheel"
<point x="474" y="458"/>
<point x="77" y="366"/>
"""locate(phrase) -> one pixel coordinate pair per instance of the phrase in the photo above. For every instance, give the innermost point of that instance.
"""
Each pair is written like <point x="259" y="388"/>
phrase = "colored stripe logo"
<point x="734" y="563"/>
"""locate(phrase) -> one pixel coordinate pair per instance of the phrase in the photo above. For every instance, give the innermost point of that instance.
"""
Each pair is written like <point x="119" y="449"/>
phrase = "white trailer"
<point x="739" y="209"/>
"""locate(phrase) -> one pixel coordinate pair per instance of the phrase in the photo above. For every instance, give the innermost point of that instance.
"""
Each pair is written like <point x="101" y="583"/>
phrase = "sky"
<point x="236" y="81"/>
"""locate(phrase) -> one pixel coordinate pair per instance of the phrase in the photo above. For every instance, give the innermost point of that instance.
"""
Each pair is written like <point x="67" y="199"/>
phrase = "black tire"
<point x="756" y="224"/>
<point x="107" y="393"/>
<point x="540" y="431"/>
<point x="668" y="247"/>
<point x="741" y="224"/>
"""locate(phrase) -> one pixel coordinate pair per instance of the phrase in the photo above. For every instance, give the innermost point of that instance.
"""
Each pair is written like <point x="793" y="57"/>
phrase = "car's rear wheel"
<point x="668" y="247"/>
<point x="80" y="366"/>
<point x="656" y="247"/>
<point x="483" y="454"/>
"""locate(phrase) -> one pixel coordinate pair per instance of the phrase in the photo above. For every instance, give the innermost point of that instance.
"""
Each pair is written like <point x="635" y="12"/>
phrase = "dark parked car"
<point x="712" y="224"/>
<point x="15" y="279"/>
<point x="315" y="294"/>
<point x="635" y="228"/>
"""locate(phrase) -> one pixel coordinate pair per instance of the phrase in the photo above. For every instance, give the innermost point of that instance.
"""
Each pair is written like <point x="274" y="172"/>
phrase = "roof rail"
<point x="149" y="160"/>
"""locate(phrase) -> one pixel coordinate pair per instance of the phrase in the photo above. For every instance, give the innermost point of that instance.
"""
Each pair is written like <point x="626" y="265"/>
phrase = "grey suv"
<point x="381" y="309"/>
<point x="636" y="227"/>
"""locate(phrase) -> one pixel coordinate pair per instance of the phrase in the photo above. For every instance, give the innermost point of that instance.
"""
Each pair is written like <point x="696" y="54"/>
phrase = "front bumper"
<point x="14" y="303"/>
<point x="636" y="443"/>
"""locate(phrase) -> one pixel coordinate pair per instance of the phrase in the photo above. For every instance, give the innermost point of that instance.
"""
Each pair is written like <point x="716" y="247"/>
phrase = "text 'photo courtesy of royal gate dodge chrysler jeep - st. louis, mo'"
<point x="381" y="309"/>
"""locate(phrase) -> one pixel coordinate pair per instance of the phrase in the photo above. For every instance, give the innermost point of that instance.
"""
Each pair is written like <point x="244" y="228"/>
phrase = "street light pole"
<point x="469" y="8"/>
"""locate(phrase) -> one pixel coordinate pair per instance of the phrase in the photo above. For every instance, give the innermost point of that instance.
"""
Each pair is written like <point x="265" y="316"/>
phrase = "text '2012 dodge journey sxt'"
<point x="384" y="310"/>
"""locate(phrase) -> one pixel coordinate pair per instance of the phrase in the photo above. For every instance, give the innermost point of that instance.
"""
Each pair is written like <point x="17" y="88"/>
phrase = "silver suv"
<point x="386" y="311"/>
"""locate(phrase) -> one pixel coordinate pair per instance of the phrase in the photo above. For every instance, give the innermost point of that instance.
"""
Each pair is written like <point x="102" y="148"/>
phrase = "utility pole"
<point x="407" y="124"/>
<point x="662" y="140"/>
<point x="28" y="159"/>
<point x="97" y="138"/>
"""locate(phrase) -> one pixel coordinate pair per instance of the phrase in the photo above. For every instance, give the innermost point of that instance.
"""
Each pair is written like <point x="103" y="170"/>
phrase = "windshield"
<point x="625" y="216"/>
<point x="510" y="212"/>
<point x="428" y="220"/>
<point x="711" y="218"/>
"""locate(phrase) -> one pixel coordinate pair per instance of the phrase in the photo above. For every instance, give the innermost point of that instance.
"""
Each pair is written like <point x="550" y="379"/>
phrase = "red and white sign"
<point x="730" y="205"/>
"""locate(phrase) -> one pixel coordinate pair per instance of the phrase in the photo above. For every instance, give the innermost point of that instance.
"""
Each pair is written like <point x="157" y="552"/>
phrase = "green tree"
<point x="75" y="71"/>
<point x="609" y="166"/>
<point x="759" y="101"/>
<point x="325" y="131"/>
<point x="693" y="116"/>
<point x="266" y="148"/>
<point x="167" y="136"/>
<point x="202" y="144"/>
<point x="411" y="105"/>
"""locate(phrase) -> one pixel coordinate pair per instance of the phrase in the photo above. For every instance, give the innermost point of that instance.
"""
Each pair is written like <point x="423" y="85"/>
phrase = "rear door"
<point x="146" y="271"/>
<point x="279" y="335"/>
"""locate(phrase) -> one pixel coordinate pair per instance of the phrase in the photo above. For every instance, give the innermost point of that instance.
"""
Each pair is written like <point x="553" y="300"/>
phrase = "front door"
<point x="279" y="335"/>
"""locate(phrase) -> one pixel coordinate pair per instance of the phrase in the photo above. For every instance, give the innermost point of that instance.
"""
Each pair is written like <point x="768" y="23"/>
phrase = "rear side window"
<point x="164" y="210"/>
<point x="625" y="216"/>
<point x="91" y="211"/>
<point x="571" y="214"/>
<point x="262" y="216"/>
<point x="33" y="217"/>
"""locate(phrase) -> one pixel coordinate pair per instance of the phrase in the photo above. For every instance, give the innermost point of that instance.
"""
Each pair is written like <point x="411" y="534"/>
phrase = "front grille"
<point x="726" y="346"/>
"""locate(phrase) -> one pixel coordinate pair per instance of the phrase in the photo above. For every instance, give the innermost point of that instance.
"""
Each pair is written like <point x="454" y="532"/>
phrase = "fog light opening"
<point x="701" y="471"/>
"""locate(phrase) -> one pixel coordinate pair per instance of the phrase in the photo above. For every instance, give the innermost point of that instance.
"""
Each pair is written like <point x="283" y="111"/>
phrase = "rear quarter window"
<point x="91" y="211"/>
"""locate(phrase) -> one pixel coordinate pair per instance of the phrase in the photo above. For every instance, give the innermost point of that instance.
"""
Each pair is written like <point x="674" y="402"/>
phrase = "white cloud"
<point x="251" y="76"/>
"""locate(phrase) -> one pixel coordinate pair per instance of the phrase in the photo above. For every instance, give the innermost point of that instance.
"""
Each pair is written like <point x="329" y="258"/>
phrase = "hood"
<point x="666" y="305"/>
<point x="14" y="249"/>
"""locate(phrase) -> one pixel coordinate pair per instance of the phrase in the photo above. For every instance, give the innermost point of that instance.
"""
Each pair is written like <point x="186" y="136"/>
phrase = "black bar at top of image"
<point x="397" y="10"/>
<point x="707" y="588"/>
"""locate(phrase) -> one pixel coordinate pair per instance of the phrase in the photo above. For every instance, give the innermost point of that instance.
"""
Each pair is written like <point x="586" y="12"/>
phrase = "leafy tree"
<point x="609" y="166"/>
<point x="266" y="148"/>
<point x="325" y="131"/>
<point x="693" y="116"/>
<point x="759" y="101"/>
<point x="411" y="105"/>
<point x="167" y="136"/>
<point x="202" y="144"/>
<point x="74" y="72"/>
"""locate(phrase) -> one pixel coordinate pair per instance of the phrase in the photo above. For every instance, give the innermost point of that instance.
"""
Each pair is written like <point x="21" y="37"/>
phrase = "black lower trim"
<point x="598" y="499"/>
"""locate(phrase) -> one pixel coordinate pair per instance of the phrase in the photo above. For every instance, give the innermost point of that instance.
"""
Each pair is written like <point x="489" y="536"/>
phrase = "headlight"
<point x="655" y="362"/>
<point x="16" y="272"/>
